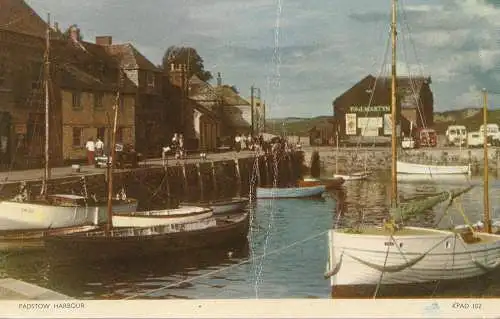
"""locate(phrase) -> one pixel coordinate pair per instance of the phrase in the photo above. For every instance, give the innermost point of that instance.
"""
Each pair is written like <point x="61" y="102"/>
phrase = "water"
<point x="294" y="272"/>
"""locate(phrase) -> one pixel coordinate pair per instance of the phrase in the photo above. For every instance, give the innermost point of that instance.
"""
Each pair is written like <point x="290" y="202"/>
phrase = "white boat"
<point x="412" y="255"/>
<point x="185" y="214"/>
<point x="435" y="178"/>
<point x="413" y="168"/>
<point x="223" y="206"/>
<point x="352" y="177"/>
<point x="290" y="192"/>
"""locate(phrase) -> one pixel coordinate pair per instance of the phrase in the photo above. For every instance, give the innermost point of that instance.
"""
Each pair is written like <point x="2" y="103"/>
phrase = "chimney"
<point x="74" y="33"/>
<point x="219" y="79"/>
<point x="104" y="40"/>
<point x="56" y="27"/>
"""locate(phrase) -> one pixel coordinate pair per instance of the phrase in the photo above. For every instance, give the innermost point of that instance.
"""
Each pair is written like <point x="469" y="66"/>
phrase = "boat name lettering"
<point x="389" y="243"/>
<point x="466" y="305"/>
<point x="364" y="108"/>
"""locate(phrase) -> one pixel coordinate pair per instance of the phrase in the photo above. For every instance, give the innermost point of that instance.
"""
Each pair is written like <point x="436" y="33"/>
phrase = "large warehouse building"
<point x="364" y="110"/>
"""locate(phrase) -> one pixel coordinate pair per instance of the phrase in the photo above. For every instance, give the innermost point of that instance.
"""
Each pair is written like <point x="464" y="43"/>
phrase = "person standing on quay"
<point x="90" y="146"/>
<point x="99" y="147"/>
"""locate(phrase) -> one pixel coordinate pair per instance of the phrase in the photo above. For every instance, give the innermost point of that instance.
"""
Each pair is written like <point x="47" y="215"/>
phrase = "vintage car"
<point x="125" y="156"/>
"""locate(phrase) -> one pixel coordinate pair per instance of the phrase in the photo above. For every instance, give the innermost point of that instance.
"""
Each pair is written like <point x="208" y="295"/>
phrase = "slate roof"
<point x="17" y="16"/>
<point x="130" y="57"/>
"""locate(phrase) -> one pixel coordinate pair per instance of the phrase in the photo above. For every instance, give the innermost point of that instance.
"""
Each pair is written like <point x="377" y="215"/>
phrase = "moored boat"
<point x="353" y="176"/>
<point x="290" y="192"/>
<point x="184" y="214"/>
<point x="413" y="168"/>
<point x="329" y="183"/>
<point x="222" y="206"/>
<point x="131" y="242"/>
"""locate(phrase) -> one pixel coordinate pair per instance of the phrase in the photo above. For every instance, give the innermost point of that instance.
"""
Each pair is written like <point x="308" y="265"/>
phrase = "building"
<point x="364" y="110"/>
<point x="322" y="134"/>
<point x="151" y="131"/>
<point x="90" y="82"/>
<point x="83" y="84"/>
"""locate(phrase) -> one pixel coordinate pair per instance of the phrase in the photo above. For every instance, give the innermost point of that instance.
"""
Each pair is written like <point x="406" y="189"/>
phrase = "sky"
<point x="303" y="54"/>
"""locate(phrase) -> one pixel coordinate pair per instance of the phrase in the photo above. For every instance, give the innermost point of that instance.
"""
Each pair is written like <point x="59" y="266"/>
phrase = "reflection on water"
<point x="295" y="272"/>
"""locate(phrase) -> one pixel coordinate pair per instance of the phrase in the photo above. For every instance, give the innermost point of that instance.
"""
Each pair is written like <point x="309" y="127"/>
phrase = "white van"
<point x="475" y="139"/>
<point x="456" y="135"/>
<point x="492" y="132"/>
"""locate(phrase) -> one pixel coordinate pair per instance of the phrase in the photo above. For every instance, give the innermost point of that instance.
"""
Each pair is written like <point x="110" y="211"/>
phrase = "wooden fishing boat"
<point x="184" y="214"/>
<point x="413" y="168"/>
<point x="290" y="192"/>
<point x="329" y="183"/>
<point x="395" y="254"/>
<point x="356" y="176"/>
<point x="132" y="242"/>
<point x="223" y="206"/>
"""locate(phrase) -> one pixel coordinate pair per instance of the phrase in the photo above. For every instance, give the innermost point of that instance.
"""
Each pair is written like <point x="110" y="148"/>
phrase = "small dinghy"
<point x="357" y="176"/>
<point x="290" y="192"/>
<point x="334" y="182"/>
<point x="222" y="206"/>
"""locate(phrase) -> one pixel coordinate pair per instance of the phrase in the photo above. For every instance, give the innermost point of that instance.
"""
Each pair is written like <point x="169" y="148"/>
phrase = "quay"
<point x="379" y="158"/>
<point x="153" y="183"/>
<point x="13" y="289"/>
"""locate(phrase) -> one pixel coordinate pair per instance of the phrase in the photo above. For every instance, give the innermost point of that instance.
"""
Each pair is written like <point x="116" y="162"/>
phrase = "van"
<point x="475" y="139"/>
<point x="492" y="133"/>
<point x="456" y="135"/>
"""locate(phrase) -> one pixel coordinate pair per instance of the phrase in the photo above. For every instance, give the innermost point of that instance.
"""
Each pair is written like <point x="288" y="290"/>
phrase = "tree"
<point x="67" y="33"/>
<point x="189" y="57"/>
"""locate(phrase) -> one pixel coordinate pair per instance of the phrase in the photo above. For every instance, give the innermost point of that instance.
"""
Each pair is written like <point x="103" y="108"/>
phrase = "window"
<point x="151" y="79"/>
<point x="36" y="74"/>
<point x="77" y="97"/>
<point x="122" y="103"/>
<point x="98" y="96"/>
<point x="77" y="136"/>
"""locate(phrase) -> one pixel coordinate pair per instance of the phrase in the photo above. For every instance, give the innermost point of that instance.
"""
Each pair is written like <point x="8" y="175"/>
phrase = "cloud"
<point x="324" y="46"/>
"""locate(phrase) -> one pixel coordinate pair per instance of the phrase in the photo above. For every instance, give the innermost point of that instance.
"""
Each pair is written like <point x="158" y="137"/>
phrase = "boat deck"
<point x="382" y="231"/>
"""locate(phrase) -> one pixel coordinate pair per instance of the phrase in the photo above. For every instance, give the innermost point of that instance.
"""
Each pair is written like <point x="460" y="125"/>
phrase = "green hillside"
<point x="472" y="118"/>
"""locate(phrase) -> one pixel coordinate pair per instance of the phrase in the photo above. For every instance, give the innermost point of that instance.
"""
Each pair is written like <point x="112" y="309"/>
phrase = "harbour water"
<point x="285" y="256"/>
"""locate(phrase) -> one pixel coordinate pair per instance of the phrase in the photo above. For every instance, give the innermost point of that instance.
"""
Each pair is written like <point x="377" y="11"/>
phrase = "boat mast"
<point x="337" y="155"/>
<point x="112" y="159"/>
<point x="394" y="194"/>
<point x="46" y="174"/>
<point x="486" y="199"/>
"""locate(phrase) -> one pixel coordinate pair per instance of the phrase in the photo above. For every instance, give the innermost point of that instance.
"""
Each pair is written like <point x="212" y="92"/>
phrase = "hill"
<point x="472" y="118"/>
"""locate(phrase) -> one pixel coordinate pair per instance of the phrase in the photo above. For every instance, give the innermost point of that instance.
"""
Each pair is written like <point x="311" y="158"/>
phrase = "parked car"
<point x="125" y="156"/>
<point x="426" y="137"/>
<point x="408" y="143"/>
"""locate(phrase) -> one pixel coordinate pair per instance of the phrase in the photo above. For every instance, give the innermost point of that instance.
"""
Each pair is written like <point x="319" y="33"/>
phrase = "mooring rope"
<point x="273" y="252"/>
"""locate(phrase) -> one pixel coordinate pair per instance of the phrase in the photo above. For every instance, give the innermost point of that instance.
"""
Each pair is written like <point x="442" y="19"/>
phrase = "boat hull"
<point x="352" y="177"/>
<point x="329" y="183"/>
<point x="412" y="168"/>
<point x="423" y="256"/>
<point x="131" y="243"/>
<point x="224" y="206"/>
<point x="291" y="192"/>
<point x="27" y="216"/>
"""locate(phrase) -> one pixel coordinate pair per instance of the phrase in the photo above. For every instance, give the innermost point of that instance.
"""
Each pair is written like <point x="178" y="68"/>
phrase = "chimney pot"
<point x="104" y="40"/>
<point x="219" y="79"/>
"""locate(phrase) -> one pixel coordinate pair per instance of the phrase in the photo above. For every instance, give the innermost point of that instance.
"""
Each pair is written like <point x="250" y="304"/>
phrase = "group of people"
<point x="242" y="142"/>
<point x="94" y="148"/>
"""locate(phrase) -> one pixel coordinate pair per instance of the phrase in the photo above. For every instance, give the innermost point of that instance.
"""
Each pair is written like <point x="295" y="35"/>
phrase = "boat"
<point x="290" y="192"/>
<point x="435" y="178"/>
<point x="414" y="169"/>
<point x="127" y="242"/>
<point x="333" y="182"/>
<point x="369" y="258"/>
<point x="356" y="176"/>
<point x="222" y="206"/>
<point x="183" y="214"/>
<point x="44" y="212"/>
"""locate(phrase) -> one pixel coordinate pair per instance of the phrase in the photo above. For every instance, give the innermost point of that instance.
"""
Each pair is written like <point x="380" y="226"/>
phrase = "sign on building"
<point x="350" y="124"/>
<point x="369" y="109"/>
<point x="387" y="124"/>
<point x="369" y="126"/>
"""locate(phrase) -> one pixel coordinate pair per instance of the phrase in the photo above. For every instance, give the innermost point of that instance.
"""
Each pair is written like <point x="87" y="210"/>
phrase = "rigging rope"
<point x="273" y="252"/>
